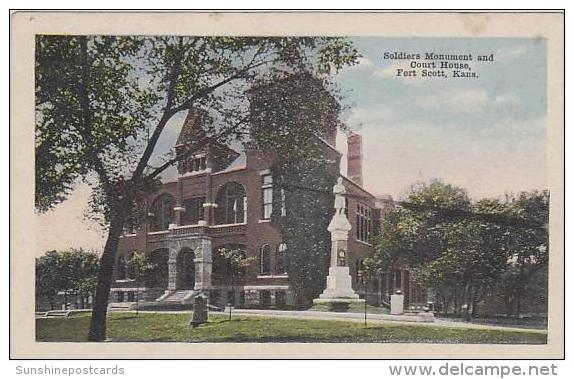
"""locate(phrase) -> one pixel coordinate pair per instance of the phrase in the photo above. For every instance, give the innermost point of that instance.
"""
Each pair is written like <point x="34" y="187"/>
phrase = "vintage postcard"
<point x="386" y="185"/>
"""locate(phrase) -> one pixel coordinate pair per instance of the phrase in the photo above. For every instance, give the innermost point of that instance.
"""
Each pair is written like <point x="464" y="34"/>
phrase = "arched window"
<point x="121" y="268"/>
<point x="282" y="258"/>
<point x="265" y="260"/>
<point x="161" y="212"/>
<point x="231" y="205"/>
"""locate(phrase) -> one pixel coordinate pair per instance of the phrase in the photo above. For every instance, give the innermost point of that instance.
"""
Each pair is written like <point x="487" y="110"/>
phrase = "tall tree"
<point x="69" y="271"/>
<point x="103" y="102"/>
<point x="527" y="247"/>
<point x="453" y="246"/>
<point x="48" y="278"/>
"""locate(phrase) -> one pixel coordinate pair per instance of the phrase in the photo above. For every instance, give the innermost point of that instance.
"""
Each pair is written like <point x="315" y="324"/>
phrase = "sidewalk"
<point x="377" y="319"/>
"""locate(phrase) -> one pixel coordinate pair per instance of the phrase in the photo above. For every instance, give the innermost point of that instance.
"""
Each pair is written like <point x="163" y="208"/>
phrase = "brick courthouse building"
<point x="223" y="198"/>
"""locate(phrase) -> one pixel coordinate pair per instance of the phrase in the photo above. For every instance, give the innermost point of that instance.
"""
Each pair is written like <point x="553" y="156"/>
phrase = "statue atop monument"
<point x="339" y="191"/>
<point x="339" y="223"/>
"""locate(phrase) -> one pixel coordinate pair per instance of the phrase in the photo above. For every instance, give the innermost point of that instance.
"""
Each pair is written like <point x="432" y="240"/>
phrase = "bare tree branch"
<point x="167" y="112"/>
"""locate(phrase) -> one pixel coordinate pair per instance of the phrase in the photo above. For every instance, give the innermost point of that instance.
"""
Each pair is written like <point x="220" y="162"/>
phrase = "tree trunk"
<point x="518" y="305"/>
<point x="466" y="300"/>
<point x="508" y="302"/>
<point x="475" y="301"/>
<point x="100" y="307"/>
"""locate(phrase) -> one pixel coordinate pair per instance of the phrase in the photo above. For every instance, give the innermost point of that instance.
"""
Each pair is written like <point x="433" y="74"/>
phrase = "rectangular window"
<point x="265" y="299"/>
<point x="193" y="210"/>
<point x="363" y="223"/>
<point x="280" y="298"/>
<point x="267" y="196"/>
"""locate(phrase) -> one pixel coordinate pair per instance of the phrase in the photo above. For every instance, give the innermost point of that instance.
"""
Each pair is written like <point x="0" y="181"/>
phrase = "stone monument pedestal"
<point x="339" y="287"/>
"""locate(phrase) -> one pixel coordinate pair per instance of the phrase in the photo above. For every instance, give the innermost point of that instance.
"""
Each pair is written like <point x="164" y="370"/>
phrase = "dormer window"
<point x="197" y="163"/>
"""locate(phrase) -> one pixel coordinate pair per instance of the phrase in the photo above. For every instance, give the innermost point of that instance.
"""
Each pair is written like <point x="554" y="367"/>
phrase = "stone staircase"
<point x="177" y="297"/>
<point x="121" y="307"/>
<point x="57" y="313"/>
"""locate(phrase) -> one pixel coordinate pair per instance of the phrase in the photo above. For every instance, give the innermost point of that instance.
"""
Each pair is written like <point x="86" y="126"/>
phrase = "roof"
<point x="239" y="163"/>
<point x="357" y="186"/>
<point x="192" y="129"/>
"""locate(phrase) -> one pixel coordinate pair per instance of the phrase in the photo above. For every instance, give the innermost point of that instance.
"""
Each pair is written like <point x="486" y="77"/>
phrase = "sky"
<point x="485" y="134"/>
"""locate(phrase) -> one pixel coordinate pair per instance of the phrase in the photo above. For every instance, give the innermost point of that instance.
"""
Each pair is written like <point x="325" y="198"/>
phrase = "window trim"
<point x="267" y="249"/>
<point x="363" y="223"/>
<point x="266" y="188"/>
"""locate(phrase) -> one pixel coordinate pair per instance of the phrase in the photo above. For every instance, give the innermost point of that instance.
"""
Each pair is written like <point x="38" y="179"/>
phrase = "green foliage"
<point x="88" y="105"/>
<point x="140" y="265"/>
<point x="528" y="250"/>
<point x="234" y="262"/>
<point x="463" y="250"/>
<point x="74" y="270"/>
<point x="288" y="115"/>
<point x="307" y="186"/>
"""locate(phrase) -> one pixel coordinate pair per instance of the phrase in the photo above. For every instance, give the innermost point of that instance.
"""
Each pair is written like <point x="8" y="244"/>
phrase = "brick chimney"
<point x="355" y="158"/>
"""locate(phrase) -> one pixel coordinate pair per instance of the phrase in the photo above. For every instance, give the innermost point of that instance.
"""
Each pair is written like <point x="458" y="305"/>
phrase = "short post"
<point x="199" y="310"/>
<point x="363" y="279"/>
<point x="230" y="307"/>
<point x="397" y="303"/>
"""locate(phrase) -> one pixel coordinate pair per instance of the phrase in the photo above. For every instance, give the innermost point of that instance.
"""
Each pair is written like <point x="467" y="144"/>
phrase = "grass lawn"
<point x="164" y="327"/>
<point x="353" y="308"/>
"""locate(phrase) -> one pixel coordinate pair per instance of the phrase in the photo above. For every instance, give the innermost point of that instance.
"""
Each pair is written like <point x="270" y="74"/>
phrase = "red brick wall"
<point x="258" y="233"/>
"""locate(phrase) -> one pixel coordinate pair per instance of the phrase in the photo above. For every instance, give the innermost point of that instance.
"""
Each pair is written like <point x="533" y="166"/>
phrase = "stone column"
<point x="203" y="265"/>
<point x="172" y="270"/>
<point x="209" y="213"/>
<point x="179" y="214"/>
